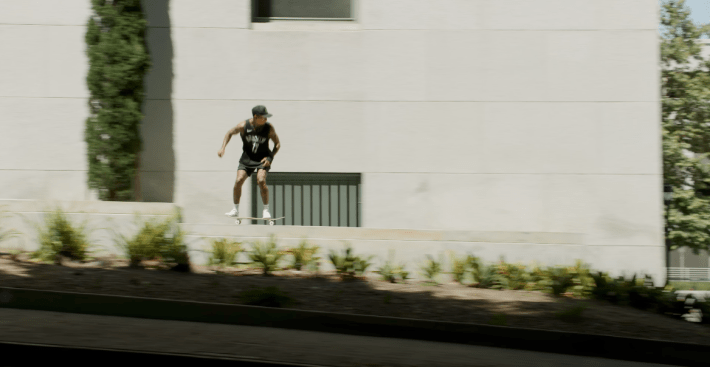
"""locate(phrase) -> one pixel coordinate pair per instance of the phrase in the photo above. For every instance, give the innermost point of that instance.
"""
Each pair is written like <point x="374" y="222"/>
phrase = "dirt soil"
<point x="367" y="296"/>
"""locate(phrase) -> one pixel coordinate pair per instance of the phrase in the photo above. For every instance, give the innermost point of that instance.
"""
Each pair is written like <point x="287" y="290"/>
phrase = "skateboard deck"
<point x="271" y="220"/>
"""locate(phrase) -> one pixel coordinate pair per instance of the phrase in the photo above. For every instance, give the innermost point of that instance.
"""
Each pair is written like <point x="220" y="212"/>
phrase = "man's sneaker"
<point x="266" y="214"/>
<point x="233" y="213"/>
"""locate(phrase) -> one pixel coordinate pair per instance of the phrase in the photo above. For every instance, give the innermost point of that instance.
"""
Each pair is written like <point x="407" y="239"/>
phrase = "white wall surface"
<point x="486" y="115"/>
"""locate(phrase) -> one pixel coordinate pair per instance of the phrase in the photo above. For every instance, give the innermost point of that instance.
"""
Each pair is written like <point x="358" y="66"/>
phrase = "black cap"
<point x="260" y="111"/>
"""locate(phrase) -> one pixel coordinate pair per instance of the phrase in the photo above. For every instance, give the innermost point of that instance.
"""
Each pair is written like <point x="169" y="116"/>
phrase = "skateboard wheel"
<point x="238" y="221"/>
<point x="271" y="222"/>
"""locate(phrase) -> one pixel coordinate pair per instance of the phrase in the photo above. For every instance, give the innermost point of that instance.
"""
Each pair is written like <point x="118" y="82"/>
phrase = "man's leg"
<point x="241" y="178"/>
<point x="261" y="181"/>
<point x="237" y="193"/>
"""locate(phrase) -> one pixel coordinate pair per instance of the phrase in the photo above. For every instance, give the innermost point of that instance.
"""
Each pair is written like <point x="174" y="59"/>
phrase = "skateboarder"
<point x="255" y="133"/>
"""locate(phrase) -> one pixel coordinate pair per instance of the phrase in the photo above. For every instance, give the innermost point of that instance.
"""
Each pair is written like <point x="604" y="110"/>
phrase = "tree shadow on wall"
<point x="157" y="169"/>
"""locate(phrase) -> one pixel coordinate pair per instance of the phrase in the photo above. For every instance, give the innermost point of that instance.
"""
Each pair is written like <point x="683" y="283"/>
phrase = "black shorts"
<point x="251" y="170"/>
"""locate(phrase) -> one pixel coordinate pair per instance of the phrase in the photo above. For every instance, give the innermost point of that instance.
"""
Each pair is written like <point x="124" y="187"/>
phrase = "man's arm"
<point x="277" y="145"/>
<point x="233" y="131"/>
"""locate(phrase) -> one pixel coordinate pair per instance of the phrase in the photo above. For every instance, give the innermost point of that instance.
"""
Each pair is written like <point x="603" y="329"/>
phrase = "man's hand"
<point x="220" y="153"/>
<point x="265" y="162"/>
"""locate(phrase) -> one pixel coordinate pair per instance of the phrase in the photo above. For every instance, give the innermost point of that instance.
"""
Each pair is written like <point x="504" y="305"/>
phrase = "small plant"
<point x="388" y="299"/>
<point x="266" y="297"/>
<point x="224" y="252"/>
<point x="303" y="255"/>
<point x="387" y="273"/>
<point x="459" y="268"/>
<point x="401" y="272"/>
<point x="510" y="276"/>
<point x="6" y="233"/>
<point x="572" y="314"/>
<point x="561" y="279"/>
<point x="390" y="273"/>
<point x="157" y="240"/>
<point x="431" y="269"/>
<point x="58" y="237"/>
<point x="266" y="255"/>
<point x="499" y="320"/>
<point x="488" y="277"/>
<point x="348" y="265"/>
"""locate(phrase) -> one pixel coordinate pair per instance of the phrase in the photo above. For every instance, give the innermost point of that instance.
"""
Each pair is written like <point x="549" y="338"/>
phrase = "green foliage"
<point x="348" y="265"/>
<point x="572" y="314"/>
<point x="266" y="255"/>
<point x="459" y="268"/>
<point x="431" y="269"/>
<point x="59" y="237"/>
<point x="561" y="279"/>
<point x="157" y="240"/>
<point x="685" y="112"/>
<point x="118" y="62"/>
<point x="390" y="273"/>
<point x="6" y="233"/>
<point x="224" y="252"/>
<point x="303" y="255"/>
<point x="509" y="276"/>
<point x="266" y="297"/>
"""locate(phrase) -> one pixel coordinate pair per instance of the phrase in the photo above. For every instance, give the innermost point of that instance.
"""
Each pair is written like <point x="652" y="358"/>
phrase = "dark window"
<point x="264" y="10"/>
<point x="311" y="199"/>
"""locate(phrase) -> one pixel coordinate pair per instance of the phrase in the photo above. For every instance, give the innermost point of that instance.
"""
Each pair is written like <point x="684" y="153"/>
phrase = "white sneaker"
<point x="266" y="214"/>
<point x="233" y="213"/>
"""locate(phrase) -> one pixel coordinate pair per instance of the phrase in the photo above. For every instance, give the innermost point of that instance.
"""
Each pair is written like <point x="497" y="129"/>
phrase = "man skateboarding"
<point x="255" y="133"/>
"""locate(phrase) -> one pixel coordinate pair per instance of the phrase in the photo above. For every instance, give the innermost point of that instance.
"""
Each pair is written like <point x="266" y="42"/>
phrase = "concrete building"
<point x="523" y="128"/>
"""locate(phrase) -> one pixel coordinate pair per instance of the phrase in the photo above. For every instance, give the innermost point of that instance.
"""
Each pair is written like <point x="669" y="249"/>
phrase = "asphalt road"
<point x="268" y="344"/>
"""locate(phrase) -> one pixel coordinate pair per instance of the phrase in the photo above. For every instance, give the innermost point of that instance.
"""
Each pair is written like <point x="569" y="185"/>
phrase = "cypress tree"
<point x="118" y="62"/>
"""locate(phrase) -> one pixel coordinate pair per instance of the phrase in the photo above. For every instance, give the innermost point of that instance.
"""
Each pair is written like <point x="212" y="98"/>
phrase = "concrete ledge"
<point x="87" y="207"/>
<point x="23" y="354"/>
<point x="641" y="350"/>
<point x="350" y="233"/>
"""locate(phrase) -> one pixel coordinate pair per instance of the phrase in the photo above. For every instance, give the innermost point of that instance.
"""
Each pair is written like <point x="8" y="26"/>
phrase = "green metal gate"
<point x="311" y="199"/>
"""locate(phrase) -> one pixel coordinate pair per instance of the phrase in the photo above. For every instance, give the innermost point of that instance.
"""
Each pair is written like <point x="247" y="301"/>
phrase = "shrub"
<point x="224" y="252"/>
<point x="560" y="280"/>
<point x="266" y="255"/>
<point x="58" y="237"/>
<point x="401" y="272"/>
<point x="387" y="273"/>
<point x="303" y="255"/>
<point x="118" y="61"/>
<point x="510" y="276"/>
<point x="266" y="297"/>
<point x="6" y="233"/>
<point x="157" y="240"/>
<point x="431" y="269"/>
<point x="459" y="268"/>
<point x="348" y="265"/>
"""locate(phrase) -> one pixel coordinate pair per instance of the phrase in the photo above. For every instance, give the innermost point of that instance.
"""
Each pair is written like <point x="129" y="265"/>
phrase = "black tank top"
<point x="256" y="143"/>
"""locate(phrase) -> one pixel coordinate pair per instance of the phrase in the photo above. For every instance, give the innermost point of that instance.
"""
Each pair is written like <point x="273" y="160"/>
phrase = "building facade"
<point x="486" y="120"/>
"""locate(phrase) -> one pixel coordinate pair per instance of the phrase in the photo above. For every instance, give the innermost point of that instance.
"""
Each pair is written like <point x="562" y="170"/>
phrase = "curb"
<point x="24" y="354"/>
<point x="612" y="347"/>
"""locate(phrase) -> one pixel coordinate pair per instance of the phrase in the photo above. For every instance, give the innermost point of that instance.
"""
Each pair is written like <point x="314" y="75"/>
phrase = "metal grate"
<point x="692" y="274"/>
<point x="265" y="10"/>
<point x="312" y="199"/>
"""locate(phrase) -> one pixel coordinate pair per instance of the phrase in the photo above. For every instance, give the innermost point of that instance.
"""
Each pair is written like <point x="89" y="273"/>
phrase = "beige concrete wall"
<point x="473" y="115"/>
<point x="104" y="222"/>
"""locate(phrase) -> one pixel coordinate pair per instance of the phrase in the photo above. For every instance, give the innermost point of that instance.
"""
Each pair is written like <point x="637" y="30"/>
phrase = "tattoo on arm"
<point x="277" y="143"/>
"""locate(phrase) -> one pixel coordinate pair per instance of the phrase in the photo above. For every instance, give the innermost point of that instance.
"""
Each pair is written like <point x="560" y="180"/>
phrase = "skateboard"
<point x="271" y="220"/>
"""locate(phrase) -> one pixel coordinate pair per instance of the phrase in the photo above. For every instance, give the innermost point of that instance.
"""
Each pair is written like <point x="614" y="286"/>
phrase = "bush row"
<point x="164" y="241"/>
